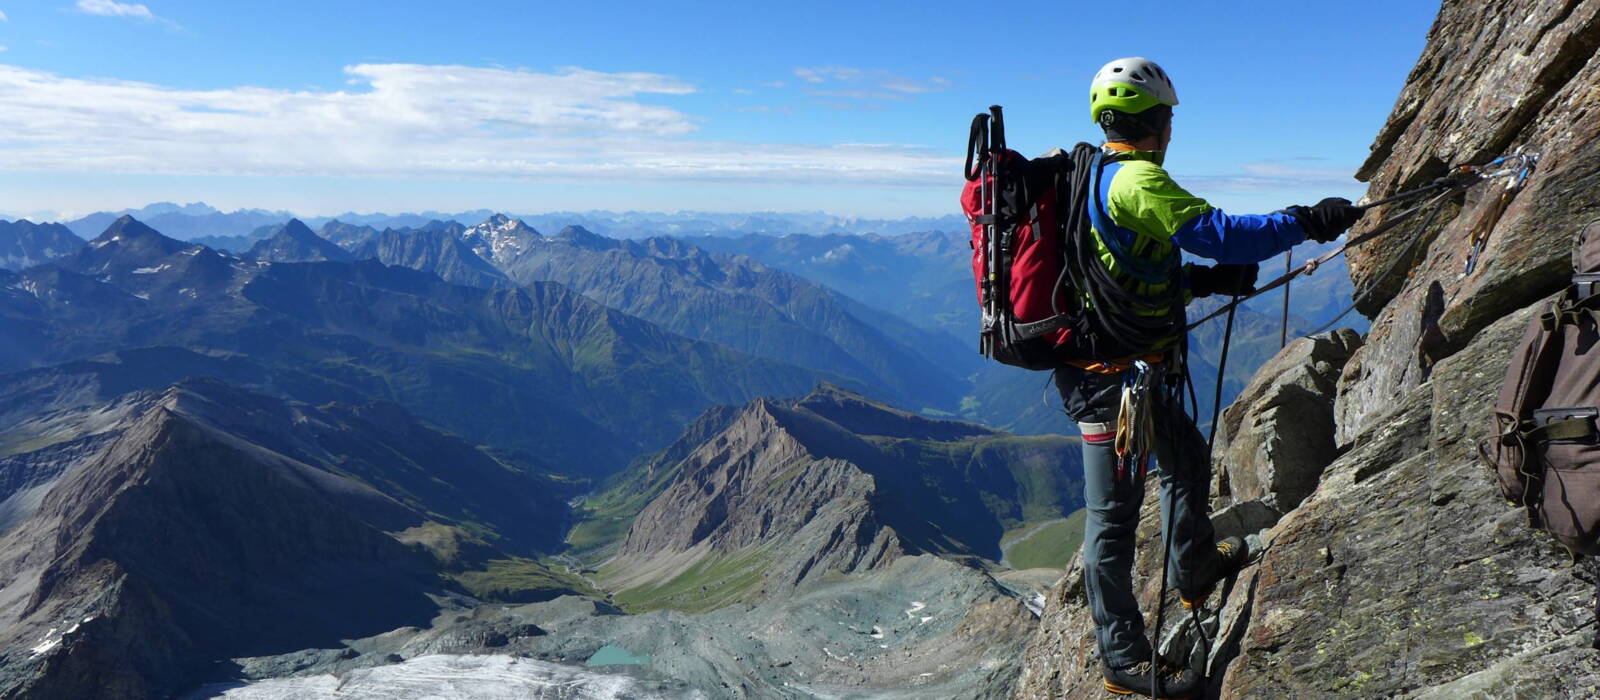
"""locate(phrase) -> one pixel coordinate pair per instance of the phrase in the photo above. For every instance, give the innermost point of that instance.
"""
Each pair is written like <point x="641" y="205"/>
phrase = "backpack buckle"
<point x="1585" y="285"/>
<point x="1565" y="426"/>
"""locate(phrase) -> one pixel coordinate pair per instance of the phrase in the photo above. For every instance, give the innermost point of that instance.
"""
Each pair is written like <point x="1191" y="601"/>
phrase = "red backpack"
<point x="1018" y="261"/>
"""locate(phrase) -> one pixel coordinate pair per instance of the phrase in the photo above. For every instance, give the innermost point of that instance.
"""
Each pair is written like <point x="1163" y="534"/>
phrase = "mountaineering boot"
<point x="1172" y="681"/>
<point x="1232" y="553"/>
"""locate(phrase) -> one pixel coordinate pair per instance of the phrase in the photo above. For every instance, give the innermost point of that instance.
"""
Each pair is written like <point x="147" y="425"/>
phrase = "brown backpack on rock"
<point x="1546" y="444"/>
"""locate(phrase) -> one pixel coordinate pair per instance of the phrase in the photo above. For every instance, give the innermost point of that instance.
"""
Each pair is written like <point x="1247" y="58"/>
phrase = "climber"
<point x="1137" y="210"/>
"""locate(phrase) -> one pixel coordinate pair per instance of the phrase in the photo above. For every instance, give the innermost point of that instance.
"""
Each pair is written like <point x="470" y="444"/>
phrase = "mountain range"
<point x="198" y="220"/>
<point x="728" y="300"/>
<point x="537" y="368"/>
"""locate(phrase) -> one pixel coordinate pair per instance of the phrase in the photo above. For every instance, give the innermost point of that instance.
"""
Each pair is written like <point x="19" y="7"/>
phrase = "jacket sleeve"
<point x="1143" y="197"/>
<point x="1238" y="239"/>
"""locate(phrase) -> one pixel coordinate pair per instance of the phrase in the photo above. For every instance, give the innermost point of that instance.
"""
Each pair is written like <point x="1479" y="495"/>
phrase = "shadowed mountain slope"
<point x="150" y="535"/>
<point x="25" y="244"/>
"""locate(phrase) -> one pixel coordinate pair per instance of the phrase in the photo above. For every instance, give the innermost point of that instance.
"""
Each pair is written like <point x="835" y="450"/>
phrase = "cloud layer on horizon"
<point x="402" y="120"/>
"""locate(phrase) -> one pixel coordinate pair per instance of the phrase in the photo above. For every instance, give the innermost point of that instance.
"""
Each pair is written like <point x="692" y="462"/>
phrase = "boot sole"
<point x="1115" y="689"/>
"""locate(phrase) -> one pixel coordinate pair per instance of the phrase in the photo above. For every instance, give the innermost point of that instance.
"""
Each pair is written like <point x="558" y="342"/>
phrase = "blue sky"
<point x="851" y="108"/>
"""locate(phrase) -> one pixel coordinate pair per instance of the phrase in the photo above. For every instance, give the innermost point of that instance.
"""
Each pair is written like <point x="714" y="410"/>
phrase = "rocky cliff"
<point x="1392" y="566"/>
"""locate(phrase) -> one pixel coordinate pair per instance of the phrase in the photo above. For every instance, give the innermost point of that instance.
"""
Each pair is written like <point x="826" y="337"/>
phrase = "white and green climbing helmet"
<point x="1130" y="85"/>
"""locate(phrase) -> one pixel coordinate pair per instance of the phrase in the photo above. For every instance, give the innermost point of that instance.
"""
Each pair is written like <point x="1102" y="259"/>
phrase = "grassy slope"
<point x="521" y="580"/>
<point x="1048" y="545"/>
<point x="711" y="583"/>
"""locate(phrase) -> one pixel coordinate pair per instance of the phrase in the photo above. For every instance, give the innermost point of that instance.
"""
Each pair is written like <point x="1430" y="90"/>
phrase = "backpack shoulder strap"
<point x="1118" y="239"/>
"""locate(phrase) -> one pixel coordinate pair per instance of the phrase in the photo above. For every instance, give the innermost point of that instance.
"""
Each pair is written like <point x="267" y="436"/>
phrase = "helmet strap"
<point x="1129" y="127"/>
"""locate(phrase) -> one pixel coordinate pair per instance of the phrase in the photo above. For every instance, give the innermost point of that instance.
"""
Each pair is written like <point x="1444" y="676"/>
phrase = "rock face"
<point x="1394" y="567"/>
<point x="434" y="250"/>
<point x="1279" y="433"/>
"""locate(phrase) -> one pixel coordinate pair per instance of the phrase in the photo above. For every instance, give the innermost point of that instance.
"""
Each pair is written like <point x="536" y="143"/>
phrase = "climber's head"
<point x="1132" y="99"/>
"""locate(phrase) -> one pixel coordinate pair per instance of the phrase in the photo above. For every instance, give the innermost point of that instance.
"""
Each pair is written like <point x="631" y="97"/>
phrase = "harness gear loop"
<point x="1135" y="418"/>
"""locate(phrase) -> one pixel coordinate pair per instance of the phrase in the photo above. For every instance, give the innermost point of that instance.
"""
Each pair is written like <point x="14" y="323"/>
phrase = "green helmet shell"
<point x="1130" y="85"/>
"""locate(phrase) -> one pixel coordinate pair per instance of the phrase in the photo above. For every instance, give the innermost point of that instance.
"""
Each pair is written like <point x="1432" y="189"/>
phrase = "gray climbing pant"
<point x="1183" y="464"/>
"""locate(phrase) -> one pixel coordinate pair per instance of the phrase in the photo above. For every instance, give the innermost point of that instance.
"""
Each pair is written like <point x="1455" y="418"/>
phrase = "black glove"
<point x="1222" y="279"/>
<point x="1325" y="220"/>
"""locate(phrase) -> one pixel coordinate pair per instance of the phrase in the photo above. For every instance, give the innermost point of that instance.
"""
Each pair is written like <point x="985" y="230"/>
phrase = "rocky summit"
<point x="1392" y="565"/>
<point x="781" y="494"/>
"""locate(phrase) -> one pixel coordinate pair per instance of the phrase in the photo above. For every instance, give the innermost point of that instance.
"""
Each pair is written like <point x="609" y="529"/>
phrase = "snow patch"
<point x="46" y="644"/>
<point x="443" y="676"/>
<point x="150" y="270"/>
<point x="916" y="607"/>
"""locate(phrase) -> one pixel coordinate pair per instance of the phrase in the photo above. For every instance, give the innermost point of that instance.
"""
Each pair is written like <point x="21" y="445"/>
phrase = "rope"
<point x="1378" y="281"/>
<point x="1222" y="367"/>
<point x="1311" y="265"/>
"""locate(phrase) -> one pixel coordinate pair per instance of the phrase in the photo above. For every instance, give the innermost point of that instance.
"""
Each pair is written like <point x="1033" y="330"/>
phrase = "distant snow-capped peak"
<point x="500" y="238"/>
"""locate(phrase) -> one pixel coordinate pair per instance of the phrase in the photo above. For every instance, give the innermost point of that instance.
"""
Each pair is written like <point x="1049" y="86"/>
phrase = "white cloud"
<point x="1276" y="175"/>
<point x="112" y="8"/>
<point x="860" y="84"/>
<point x="407" y="120"/>
<point x="4" y="18"/>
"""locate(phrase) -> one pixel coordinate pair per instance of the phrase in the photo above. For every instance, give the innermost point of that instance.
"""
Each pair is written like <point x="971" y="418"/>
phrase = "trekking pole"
<point x="1000" y="246"/>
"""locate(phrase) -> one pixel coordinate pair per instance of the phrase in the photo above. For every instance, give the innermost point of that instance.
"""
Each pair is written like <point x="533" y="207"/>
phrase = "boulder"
<point x="1278" y="435"/>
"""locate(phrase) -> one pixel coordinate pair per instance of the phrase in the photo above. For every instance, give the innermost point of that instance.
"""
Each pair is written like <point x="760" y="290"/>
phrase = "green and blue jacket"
<point x="1137" y="208"/>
